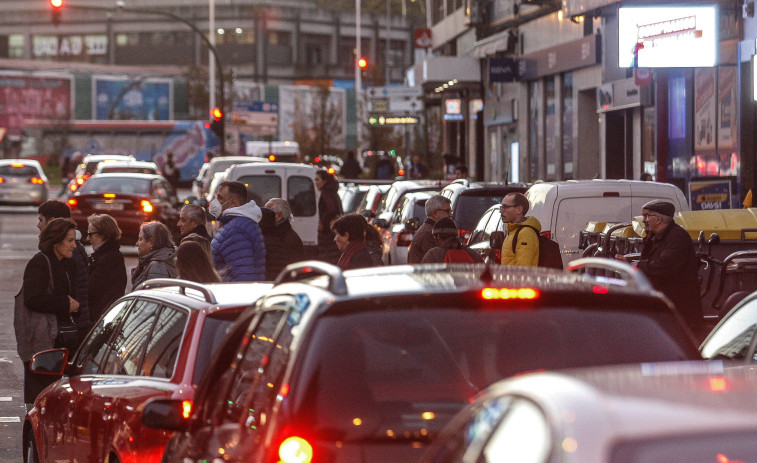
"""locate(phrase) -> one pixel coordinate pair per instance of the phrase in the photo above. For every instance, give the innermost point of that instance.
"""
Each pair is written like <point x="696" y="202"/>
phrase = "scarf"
<point x="349" y="251"/>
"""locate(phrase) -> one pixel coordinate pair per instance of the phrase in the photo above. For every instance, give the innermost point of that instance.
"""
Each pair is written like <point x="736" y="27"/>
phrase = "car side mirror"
<point x="412" y="224"/>
<point x="49" y="362"/>
<point x="165" y="414"/>
<point x="367" y="214"/>
<point x="496" y="239"/>
<point x="381" y="223"/>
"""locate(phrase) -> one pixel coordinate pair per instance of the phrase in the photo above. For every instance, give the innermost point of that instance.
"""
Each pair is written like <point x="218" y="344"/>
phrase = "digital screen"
<point x="664" y="36"/>
<point x="453" y="106"/>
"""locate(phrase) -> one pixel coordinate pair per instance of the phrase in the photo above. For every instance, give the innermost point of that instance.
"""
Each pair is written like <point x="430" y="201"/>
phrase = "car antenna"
<point x="487" y="277"/>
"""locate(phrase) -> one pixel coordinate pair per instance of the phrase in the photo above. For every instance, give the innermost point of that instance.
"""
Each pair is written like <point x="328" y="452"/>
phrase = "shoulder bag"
<point x="35" y="331"/>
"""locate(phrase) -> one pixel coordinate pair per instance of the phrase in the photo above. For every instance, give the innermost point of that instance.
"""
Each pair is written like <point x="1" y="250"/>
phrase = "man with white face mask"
<point x="238" y="248"/>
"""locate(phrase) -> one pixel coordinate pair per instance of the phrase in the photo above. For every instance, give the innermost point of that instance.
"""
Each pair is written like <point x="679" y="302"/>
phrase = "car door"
<point x="734" y="337"/>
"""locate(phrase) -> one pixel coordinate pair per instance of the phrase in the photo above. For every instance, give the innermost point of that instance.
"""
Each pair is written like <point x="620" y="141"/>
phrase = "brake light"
<point x="331" y="170"/>
<point x="36" y="181"/>
<point x="109" y="195"/>
<point x="295" y="450"/>
<point x="80" y="181"/>
<point x="600" y="289"/>
<point x="404" y="238"/>
<point x="271" y="157"/>
<point x="73" y="203"/>
<point x="2" y="180"/>
<point x="146" y="206"/>
<point x="186" y="409"/>
<point x="718" y="384"/>
<point x="509" y="293"/>
<point x="16" y="165"/>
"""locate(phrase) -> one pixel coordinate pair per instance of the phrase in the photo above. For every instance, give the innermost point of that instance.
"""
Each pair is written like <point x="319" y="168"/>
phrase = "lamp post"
<point x="211" y="55"/>
<point x="358" y="75"/>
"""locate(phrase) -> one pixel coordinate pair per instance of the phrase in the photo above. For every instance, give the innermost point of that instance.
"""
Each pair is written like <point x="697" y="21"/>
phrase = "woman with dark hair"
<point x="193" y="263"/>
<point x="107" y="269"/>
<point x="48" y="286"/>
<point x="349" y="237"/>
<point x="329" y="208"/>
<point x="156" y="254"/>
<point x="375" y="244"/>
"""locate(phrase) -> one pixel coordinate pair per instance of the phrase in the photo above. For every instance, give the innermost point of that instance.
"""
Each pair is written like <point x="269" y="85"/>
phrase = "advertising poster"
<point x="706" y="195"/>
<point x="26" y="97"/>
<point x="705" y="111"/>
<point x="302" y="108"/>
<point x="135" y="99"/>
<point x="727" y="99"/>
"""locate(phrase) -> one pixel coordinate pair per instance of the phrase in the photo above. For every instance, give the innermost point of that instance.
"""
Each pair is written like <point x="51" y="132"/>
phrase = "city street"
<point x="18" y="242"/>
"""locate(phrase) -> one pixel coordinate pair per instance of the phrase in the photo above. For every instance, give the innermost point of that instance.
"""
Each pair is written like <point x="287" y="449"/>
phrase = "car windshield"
<point x="401" y="372"/>
<point x="18" y="170"/>
<point x="470" y="208"/>
<point x="122" y="185"/>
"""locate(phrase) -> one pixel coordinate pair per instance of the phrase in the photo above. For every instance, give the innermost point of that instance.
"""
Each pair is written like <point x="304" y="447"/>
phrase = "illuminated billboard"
<point x="667" y="36"/>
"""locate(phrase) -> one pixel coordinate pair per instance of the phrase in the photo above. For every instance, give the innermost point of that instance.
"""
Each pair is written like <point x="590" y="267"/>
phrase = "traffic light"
<point x="362" y="63"/>
<point x="56" y="6"/>
<point x="217" y="122"/>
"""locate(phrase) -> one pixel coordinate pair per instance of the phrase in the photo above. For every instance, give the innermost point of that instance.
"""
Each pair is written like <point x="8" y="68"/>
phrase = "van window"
<point x="574" y="213"/>
<point x="301" y="196"/>
<point x="261" y="188"/>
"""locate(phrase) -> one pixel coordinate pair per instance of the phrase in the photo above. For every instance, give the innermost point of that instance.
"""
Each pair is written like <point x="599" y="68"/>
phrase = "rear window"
<point x="129" y="170"/>
<point x="261" y="188"/>
<point x="122" y="185"/>
<point x="392" y="364"/>
<point x="468" y="209"/>
<point x="18" y="171"/>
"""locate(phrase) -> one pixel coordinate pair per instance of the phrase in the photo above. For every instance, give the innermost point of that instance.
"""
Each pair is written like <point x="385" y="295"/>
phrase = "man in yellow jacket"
<point x="525" y="253"/>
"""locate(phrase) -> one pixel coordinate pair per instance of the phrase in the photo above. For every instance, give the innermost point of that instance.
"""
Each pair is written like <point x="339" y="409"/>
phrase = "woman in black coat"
<point x="329" y="208"/>
<point x="275" y="252"/>
<point x="57" y="243"/>
<point x="107" y="269"/>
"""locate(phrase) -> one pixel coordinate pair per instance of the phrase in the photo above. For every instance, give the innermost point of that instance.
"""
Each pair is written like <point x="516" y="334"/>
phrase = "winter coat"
<point x="82" y="318"/>
<point x="329" y="208"/>
<point x="527" y="249"/>
<point x="669" y="261"/>
<point x="294" y="250"/>
<point x="200" y="230"/>
<point x="376" y="251"/>
<point x="436" y="255"/>
<point x="238" y="248"/>
<point x="275" y="258"/>
<point x="422" y="242"/>
<point x="107" y="278"/>
<point x="36" y="282"/>
<point x="156" y="264"/>
<point x="355" y="255"/>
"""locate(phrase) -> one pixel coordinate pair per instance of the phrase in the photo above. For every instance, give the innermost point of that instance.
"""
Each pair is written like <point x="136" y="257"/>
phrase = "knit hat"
<point x="661" y="207"/>
<point x="445" y="226"/>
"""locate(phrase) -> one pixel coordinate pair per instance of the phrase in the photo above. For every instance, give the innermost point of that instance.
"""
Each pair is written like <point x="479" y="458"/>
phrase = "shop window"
<point x="567" y="126"/>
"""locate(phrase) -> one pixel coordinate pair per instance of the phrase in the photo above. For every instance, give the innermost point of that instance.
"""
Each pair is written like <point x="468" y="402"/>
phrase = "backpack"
<point x="549" y="251"/>
<point x="457" y="256"/>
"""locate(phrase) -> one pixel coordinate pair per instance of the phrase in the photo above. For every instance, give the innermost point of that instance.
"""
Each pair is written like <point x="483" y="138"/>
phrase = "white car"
<point x="408" y="217"/>
<point x="694" y="412"/>
<point x="133" y="167"/>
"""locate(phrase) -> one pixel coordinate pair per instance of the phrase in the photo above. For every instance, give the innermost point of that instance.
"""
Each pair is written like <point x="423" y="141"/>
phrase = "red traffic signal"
<point x="216" y="114"/>
<point x="57" y="6"/>
<point x="362" y="63"/>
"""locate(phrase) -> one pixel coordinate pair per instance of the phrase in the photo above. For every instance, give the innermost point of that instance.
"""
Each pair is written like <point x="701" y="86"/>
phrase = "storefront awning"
<point x="490" y="45"/>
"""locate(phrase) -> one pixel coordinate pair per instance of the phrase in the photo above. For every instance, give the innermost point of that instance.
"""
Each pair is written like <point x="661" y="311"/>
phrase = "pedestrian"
<point x="418" y="170"/>
<point x="238" y="248"/>
<point x="192" y="219"/>
<point x="351" y="168"/>
<point x="66" y="174"/>
<point x="349" y="236"/>
<point x="384" y="167"/>
<point x="329" y="208"/>
<point x="201" y="240"/>
<point x="294" y="250"/>
<point x="448" y="246"/>
<point x="461" y="171"/>
<point x="669" y="261"/>
<point x="171" y="171"/>
<point x="48" y="289"/>
<point x="107" y="269"/>
<point x="54" y="209"/>
<point x="193" y="263"/>
<point x="375" y="244"/>
<point x="156" y="254"/>
<point x="275" y="258"/>
<point x="436" y="207"/>
<point x="513" y="210"/>
<point x="646" y="177"/>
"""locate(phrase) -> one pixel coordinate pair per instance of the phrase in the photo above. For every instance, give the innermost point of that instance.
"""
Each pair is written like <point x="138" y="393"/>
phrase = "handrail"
<point x="724" y="272"/>
<point x="314" y="268"/>
<point x="183" y="285"/>
<point x="627" y="273"/>
<point x="604" y="249"/>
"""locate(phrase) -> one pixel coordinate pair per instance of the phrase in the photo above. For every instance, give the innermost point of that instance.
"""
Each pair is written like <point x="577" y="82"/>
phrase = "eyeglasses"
<point x="448" y="211"/>
<point x="646" y="216"/>
<point x="506" y="206"/>
<point x="89" y="233"/>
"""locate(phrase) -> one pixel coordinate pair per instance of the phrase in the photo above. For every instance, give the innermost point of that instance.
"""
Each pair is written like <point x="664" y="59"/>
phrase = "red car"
<point x="152" y="343"/>
<point x="131" y="199"/>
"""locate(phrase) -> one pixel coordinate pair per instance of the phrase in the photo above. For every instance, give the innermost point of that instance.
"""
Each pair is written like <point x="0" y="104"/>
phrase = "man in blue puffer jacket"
<point x="238" y="248"/>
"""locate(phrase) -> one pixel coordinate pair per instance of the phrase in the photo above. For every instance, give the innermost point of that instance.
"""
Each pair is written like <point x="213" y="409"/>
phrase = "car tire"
<point x="30" y="448"/>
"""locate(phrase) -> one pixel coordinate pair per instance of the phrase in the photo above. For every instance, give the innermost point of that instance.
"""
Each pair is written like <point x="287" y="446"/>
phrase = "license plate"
<point x="108" y="206"/>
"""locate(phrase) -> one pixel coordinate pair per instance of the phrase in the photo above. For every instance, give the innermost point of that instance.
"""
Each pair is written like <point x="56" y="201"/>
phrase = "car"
<point x="392" y="199"/>
<point x="351" y="195"/>
<point x="369" y="364"/>
<point x="131" y="199"/>
<point x="371" y="202"/>
<point x="133" y="167"/>
<point x="406" y="220"/>
<point x="88" y="166"/>
<point x="652" y="412"/>
<point x="733" y="338"/>
<point x="22" y="181"/>
<point x="469" y="200"/>
<point x="215" y="165"/>
<point x="154" y="342"/>
<point x="480" y="239"/>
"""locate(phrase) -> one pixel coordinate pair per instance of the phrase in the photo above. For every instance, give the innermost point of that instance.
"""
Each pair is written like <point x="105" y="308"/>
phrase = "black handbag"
<point x="68" y="336"/>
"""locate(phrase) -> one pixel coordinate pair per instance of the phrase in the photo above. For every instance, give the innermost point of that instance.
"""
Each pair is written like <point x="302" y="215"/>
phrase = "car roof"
<point x="204" y="296"/>
<point x="29" y="162"/>
<point x="220" y="159"/>
<point x="125" y="162"/>
<point x="103" y="157"/>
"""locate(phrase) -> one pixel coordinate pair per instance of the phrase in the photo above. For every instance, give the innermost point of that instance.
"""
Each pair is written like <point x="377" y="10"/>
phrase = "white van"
<point x="294" y="183"/>
<point x="274" y="151"/>
<point x="564" y="208"/>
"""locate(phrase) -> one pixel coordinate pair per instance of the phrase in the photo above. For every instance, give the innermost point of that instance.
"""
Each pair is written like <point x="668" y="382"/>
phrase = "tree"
<point x="319" y="120"/>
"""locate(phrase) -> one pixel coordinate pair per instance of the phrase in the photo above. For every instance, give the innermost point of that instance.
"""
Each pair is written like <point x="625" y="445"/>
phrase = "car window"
<point x="469" y="208"/>
<point x="95" y="347"/>
<point x="417" y="211"/>
<point x="405" y="204"/>
<point x="164" y="343"/>
<point x="214" y="330"/>
<point x="18" y="171"/>
<point x="129" y="341"/>
<point x="261" y="188"/>
<point x="733" y="337"/>
<point x="301" y="196"/>
<point x="122" y="185"/>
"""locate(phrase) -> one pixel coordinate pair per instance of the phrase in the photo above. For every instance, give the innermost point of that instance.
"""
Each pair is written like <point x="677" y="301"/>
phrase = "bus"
<point x="191" y="142"/>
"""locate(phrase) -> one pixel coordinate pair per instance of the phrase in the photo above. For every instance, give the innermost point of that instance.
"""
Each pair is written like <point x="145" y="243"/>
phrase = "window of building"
<point x="552" y="128"/>
<point x="534" y="132"/>
<point x="567" y="126"/>
<point x="16" y="46"/>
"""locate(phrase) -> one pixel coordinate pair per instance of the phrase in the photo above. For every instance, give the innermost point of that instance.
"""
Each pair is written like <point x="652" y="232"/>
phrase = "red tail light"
<point x="186" y="409"/>
<point x="295" y="449"/>
<point x="272" y="157"/>
<point x="73" y="203"/>
<point x="36" y="181"/>
<point x="498" y="255"/>
<point x="404" y="238"/>
<point x="509" y="293"/>
<point x="2" y="180"/>
<point x="146" y="206"/>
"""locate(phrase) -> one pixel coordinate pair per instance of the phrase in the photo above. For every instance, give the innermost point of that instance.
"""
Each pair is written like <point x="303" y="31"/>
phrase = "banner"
<point x="136" y="99"/>
<point x="705" y="111"/>
<point x="25" y="97"/>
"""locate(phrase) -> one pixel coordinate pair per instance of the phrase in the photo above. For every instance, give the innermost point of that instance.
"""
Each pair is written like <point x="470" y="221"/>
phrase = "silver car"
<point x="22" y="181"/>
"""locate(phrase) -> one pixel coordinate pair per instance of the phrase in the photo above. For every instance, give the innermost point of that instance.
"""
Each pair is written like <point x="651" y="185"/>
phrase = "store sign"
<point x="44" y="46"/>
<point x="710" y="194"/>
<point x="503" y="70"/>
<point x="422" y="38"/>
<point x="392" y="120"/>
<point x="667" y="36"/>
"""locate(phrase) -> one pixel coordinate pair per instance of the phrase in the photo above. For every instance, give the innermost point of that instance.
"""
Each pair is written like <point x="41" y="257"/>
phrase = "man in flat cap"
<point x="670" y="263"/>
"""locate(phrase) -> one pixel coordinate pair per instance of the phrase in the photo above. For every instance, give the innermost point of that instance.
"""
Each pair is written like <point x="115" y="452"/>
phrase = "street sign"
<point x="392" y="120"/>
<point x="394" y="92"/>
<point x="395" y="105"/>
<point x="255" y="113"/>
